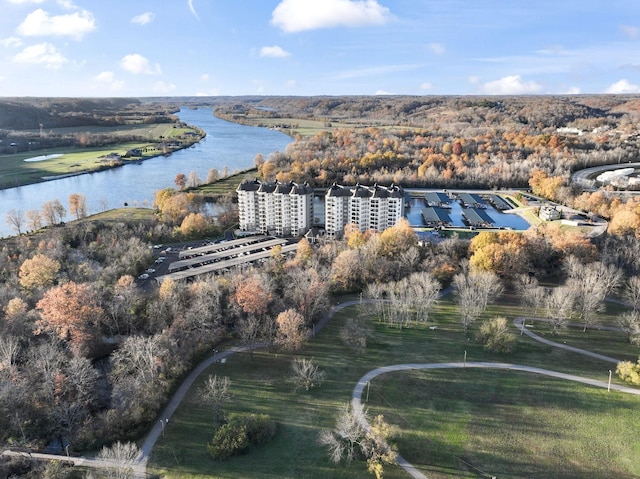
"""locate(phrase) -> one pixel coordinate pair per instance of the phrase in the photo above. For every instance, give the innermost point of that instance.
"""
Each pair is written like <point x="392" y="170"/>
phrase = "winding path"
<point x="139" y="466"/>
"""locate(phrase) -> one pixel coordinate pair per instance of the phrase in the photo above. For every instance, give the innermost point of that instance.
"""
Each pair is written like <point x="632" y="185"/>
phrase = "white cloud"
<point x="162" y="87"/>
<point x="68" y="4"/>
<point x="629" y="31"/>
<point x="474" y="80"/>
<point x="193" y="9"/>
<point x="44" y="53"/>
<point x="75" y="24"/>
<point x="11" y="42"/>
<point x="426" y="86"/>
<point x="382" y="92"/>
<point x="574" y="90"/>
<point x="436" y="48"/>
<point x="274" y="52"/>
<point x="623" y="86"/>
<point x="300" y="15"/>
<point x="204" y="77"/>
<point x="22" y="2"/>
<point x="106" y="77"/>
<point x="139" y="65"/>
<point x="144" y="18"/>
<point x="511" y="85"/>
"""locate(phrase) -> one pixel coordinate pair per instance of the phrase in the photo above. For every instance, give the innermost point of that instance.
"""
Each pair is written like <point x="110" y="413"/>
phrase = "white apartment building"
<point x="286" y="209"/>
<point x="376" y="208"/>
<point x="281" y="209"/>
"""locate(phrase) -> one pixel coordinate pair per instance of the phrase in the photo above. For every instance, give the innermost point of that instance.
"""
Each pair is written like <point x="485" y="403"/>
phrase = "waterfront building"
<point x="281" y="209"/>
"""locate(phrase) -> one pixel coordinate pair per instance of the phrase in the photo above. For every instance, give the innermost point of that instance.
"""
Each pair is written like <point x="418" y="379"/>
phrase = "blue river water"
<point x="226" y="145"/>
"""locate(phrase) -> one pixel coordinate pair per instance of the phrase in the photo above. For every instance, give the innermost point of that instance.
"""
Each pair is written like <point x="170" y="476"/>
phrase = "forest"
<point x="88" y="356"/>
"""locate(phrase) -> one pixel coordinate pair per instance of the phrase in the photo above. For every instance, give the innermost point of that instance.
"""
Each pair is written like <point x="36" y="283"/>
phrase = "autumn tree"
<point x="292" y="332"/>
<point x="544" y="185"/>
<point x="213" y="175"/>
<point x="34" y="220"/>
<point x="501" y="253"/>
<point x="53" y="212"/>
<point x="494" y="333"/>
<point x="307" y="291"/>
<point x="397" y="239"/>
<point x="254" y="294"/>
<point x="78" y="205"/>
<point x="181" y="181"/>
<point x="38" y="272"/>
<point x="72" y="312"/>
<point x="355" y="436"/>
<point x="194" y="225"/>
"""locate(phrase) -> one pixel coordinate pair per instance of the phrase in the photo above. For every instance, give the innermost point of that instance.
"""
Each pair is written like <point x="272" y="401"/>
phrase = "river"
<point x="226" y="145"/>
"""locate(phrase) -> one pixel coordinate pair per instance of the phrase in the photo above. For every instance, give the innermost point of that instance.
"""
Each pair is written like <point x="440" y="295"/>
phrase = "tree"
<point x="559" y="305"/>
<point x="474" y="291"/>
<point x="15" y="219"/>
<point x="53" y="212"/>
<point x="495" y="335"/>
<point x="34" y="220"/>
<point x="119" y="459"/>
<point x="632" y="292"/>
<point x="306" y="374"/>
<point x="180" y="181"/>
<point x="307" y="291"/>
<point x="292" y="332"/>
<point x="531" y="294"/>
<point x="354" y="334"/>
<point x="629" y="322"/>
<point x="629" y="372"/>
<point x="213" y="175"/>
<point x="39" y="271"/>
<point x="194" y="224"/>
<point x="193" y="180"/>
<point x="253" y="295"/>
<point x="215" y="393"/>
<point x="9" y="349"/>
<point x="72" y="312"/>
<point x="352" y="438"/>
<point x="397" y="239"/>
<point x="78" y="205"/>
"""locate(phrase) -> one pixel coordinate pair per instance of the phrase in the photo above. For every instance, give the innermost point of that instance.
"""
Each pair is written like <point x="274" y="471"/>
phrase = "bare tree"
<point x="306" y="374"/>
<point x="213" y="175"/>
<point x="53" y="212"/>
<point x="193" y="180"/>
<point x="15" y="219"/>
<point x="34" y="220"/>
<point x="355" y="333"/>
<point x="629" y="322"/>
<point x="353" y="437"/>
<point x="559" y="305"/>
<point x="632" y="292"/>
<point x="9" y="349"/>
<point x="78" y="205"/>
<point x="119" y="460"/>
<point x="592" y="282"/>
<point x="474" y="291"/>
<point x="215" y="392"/>
<point x="532" y="295"/>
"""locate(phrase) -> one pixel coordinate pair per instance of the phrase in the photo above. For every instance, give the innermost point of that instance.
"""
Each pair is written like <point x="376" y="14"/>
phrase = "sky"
<point x="139" y="48"/>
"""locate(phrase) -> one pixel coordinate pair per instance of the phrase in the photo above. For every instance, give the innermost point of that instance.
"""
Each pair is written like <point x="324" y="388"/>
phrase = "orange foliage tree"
<point x="72" y="312"/>
<point x="39" y="271"/>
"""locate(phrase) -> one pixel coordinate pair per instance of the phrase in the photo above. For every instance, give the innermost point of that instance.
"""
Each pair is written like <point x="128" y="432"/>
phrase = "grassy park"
<point x="72" y="160"/>
<point x="452" y="423"/>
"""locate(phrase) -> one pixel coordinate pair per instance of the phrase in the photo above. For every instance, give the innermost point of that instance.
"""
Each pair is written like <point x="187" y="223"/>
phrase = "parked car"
<point x="143" y="276"/>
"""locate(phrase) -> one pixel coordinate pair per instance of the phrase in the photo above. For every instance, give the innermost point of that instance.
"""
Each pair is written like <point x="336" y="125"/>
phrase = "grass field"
<point x="452" y="423"/>
<point x="14" y="171"/>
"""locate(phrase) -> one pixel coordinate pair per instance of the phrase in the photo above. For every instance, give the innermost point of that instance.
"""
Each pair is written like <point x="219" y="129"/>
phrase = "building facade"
<point x="369" y="208"/>
<point x="274" y="208"/>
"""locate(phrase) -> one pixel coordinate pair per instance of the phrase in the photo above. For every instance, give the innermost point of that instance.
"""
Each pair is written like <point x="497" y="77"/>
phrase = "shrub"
<point x="629" y="372"/>
<point x="240" y="433"/>
<point x="496" y="336"/>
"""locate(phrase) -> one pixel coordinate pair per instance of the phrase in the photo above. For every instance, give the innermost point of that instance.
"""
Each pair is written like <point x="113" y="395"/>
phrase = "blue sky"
<point x="318" y="47"/>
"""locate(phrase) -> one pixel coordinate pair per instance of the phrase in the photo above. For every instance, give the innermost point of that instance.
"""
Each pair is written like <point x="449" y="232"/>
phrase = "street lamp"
<point x="66" y="448"/>
<point x="163" y="423"/>
<point x="609" y="385"/>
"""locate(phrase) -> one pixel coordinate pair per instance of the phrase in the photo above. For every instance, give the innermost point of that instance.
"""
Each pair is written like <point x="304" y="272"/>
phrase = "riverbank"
<point x="64" y="162"/>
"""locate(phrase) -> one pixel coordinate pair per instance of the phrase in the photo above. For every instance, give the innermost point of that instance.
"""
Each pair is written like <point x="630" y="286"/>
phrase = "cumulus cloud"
<point x="22" y="2"/>
<point x="144" y="18"/>
<point x="300" y="15"/>
<point x="274" y="52"/>
<point x="39" y="23"/>
<point x="106" y="77"/>
<point x="436" y="48"/>
<point x="511" y="85"/>
<point x="426" y="86"/>
<point x="163" y="88"/>
<point x="623" y="86"/>
<point x="42" y="53"/>
<point x="631" y="32"/>
<point x="139" y="65"/>
<point x="11" y="42"/>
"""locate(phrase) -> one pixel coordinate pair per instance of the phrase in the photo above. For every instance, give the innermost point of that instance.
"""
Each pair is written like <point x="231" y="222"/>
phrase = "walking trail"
<point x="139" y="465"/>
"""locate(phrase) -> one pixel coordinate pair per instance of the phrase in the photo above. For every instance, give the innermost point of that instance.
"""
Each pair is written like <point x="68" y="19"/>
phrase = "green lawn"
<point x="453" y="423"/>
